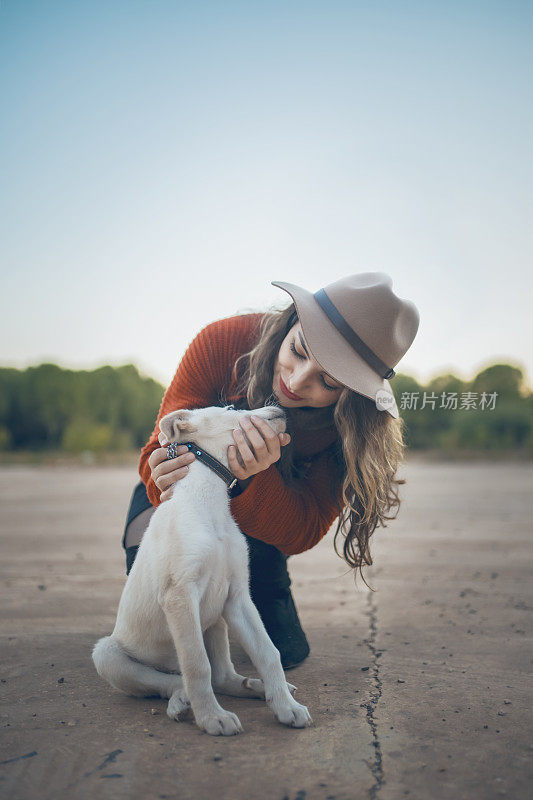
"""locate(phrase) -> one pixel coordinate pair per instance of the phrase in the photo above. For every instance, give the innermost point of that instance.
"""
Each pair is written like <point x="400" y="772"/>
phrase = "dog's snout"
<point x="276" y="415"/>
<point x="273" y="414"/>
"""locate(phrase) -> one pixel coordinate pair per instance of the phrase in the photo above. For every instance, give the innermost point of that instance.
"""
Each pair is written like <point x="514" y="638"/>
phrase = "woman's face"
<point x="297" y="372"/>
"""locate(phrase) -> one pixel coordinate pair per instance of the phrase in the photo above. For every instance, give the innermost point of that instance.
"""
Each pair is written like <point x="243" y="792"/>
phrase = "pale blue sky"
<point x="161" y="162"/>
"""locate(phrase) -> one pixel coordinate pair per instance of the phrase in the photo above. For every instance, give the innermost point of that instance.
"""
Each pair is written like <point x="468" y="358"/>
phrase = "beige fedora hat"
<point x="358" y="330"/>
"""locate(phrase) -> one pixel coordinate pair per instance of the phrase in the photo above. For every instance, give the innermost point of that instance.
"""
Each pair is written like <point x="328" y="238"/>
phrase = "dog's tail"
<point x="130" y="676"/>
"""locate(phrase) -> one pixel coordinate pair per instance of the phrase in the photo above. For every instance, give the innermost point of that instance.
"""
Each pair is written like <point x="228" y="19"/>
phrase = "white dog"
<point x="189" y="583"/>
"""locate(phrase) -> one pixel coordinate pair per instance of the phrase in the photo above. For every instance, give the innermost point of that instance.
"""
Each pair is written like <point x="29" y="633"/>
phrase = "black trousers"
<point x="269" y="577"/>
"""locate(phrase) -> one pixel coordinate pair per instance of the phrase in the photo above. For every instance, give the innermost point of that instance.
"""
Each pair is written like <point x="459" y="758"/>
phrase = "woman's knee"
<point x="137" y="528"/>
<point x="138" y="518"/>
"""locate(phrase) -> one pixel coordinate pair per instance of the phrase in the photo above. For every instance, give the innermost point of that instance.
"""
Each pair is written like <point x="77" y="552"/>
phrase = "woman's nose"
<point x="298" y="380"/>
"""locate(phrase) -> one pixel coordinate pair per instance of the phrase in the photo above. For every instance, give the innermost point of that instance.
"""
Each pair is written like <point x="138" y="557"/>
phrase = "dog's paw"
<point x="254" y="687"/>
<point x="178" y="704"/>
<point x="221" y="723"/>
<point x="294" y="715"/>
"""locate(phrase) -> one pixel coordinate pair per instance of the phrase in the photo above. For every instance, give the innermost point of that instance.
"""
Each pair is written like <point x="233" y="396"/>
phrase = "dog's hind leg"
<point x="224" y="678"/>
<point x="122" y="672"/>
<point x="181" y="606"/>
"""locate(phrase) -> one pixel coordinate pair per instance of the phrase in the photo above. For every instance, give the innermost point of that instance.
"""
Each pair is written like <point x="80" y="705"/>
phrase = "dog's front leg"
<point x="246" y="624"/>
<point x="181" y="606"/>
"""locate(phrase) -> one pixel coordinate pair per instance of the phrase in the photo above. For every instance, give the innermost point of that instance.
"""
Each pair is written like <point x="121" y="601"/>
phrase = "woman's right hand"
<point x="166" y="472"/>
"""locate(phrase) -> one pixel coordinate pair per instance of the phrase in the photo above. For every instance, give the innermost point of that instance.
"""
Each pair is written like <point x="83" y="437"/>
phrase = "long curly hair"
<point x="366" y="456"/>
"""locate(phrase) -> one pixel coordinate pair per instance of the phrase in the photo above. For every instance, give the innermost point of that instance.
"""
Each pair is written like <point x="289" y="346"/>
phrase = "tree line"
<point x="493" y="412"/>
<point x="114" y="409"/>
<point x="51" y="408"/>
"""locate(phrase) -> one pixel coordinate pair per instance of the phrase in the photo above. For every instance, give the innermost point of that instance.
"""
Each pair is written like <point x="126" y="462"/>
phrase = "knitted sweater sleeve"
<point x="197" y="383"/>
<point x="267" y="509"/>
<point x="291" y="521"/>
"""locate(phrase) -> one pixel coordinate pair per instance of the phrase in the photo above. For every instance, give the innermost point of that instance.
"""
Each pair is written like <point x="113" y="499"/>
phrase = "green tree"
<point x="47" y="407"/>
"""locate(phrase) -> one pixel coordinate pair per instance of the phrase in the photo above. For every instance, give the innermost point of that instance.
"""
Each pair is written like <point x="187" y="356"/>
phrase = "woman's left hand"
<point x="256" y="451"/>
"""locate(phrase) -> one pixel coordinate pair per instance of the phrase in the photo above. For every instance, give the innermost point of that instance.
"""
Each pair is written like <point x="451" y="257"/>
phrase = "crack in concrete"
<point x="375" y="766"/>
<point x="110" y="758"/>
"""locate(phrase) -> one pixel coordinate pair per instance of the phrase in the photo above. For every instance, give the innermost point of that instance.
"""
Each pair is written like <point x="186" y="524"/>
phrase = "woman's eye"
<point x="295" y="351"/>
<point x="331" y="388"/>
<point x="324" y="384"/>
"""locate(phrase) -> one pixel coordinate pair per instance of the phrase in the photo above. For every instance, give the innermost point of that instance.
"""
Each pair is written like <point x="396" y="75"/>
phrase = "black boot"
<point x="270" y="590"/>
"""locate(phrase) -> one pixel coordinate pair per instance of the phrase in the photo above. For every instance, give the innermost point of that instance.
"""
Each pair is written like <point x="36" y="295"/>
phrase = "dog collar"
<point x="206" y="458"/>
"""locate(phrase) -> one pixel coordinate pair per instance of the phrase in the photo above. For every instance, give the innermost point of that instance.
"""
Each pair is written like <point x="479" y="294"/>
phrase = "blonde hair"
<point x="366" y="457"/>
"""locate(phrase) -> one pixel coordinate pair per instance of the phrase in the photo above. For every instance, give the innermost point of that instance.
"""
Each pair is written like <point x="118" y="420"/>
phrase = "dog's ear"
<point x="173" y="426"/>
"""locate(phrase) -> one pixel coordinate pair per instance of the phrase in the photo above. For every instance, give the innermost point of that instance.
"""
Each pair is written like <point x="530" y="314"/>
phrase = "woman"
<point x="326" y="359"/>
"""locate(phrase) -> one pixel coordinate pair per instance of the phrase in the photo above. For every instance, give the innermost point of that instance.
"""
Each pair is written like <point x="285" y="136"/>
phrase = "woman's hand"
<point x="165" y="472"/>
<point x="256" y="451"/>
<point x="251" y="454"/>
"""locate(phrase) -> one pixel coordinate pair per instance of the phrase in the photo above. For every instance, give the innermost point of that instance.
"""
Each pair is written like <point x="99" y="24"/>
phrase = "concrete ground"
<point x="420" y="689"/>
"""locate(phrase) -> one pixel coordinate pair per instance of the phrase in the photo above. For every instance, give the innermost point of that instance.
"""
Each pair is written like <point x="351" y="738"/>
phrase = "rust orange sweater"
<point x="267" y="508"/>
